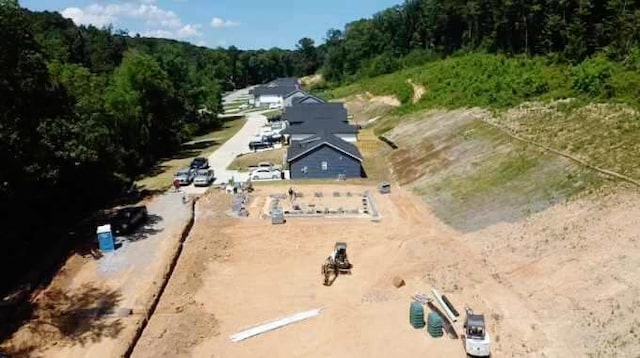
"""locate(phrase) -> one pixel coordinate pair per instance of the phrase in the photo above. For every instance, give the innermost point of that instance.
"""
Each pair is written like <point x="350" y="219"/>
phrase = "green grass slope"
<point x="474" y="174"/>
<point x="497" y="81"/>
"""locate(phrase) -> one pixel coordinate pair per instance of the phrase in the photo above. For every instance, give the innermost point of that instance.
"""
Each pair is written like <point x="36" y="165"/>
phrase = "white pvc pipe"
<point x="269" y="326"/>
<point x="445" y="308"/>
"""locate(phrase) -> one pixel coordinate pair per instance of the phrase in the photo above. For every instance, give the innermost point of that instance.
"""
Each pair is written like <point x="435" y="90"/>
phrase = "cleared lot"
<point x="240" y="272"/>
<point x="545" y="285"/>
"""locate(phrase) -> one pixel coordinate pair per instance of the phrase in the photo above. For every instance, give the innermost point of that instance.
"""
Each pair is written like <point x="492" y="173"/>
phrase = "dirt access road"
<point x="236" y="273"/>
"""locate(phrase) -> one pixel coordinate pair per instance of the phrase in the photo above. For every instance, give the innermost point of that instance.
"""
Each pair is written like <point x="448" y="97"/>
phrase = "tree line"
<point x="421" y="30"/>
<point x="85" y="110"/>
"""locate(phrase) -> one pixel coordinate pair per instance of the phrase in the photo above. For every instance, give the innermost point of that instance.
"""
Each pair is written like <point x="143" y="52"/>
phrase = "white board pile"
<point x="270" y="326"/>
<point x="446" y="309"/>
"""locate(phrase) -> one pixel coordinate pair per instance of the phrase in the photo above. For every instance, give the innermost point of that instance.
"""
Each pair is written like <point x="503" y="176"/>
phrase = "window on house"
<point x="325" y="165"/>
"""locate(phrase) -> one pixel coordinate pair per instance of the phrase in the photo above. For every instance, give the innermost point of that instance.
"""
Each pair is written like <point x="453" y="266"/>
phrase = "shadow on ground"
<point x="199" y="145"/>
<point x="83" y="316"/>
<point x="149" y="228"/>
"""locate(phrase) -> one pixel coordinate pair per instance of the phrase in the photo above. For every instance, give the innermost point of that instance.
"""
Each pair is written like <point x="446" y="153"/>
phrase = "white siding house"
<point x="266" y="100"/>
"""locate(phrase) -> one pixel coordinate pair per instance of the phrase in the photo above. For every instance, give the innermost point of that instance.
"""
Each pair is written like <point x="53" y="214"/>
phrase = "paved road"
<point x="237" y="95"/>
<point x="238" y="144"/>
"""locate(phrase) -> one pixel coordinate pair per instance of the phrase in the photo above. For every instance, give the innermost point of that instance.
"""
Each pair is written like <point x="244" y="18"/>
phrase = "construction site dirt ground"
<point x="236" y="273"/>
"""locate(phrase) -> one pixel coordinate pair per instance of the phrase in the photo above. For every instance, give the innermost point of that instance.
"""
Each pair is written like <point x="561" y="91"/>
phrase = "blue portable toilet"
<point x="106" y="243"/>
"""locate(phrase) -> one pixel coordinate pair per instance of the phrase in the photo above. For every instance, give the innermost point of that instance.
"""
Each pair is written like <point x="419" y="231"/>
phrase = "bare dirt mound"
<point x="392" y="101"/>
<point x="418" y="91"/>
<point x="311" y="80"/>
<point x="576" y="265"/>
<point x="366" y="108"/>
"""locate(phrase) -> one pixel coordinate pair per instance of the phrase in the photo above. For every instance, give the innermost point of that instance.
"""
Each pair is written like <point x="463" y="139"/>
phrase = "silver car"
<point x="184" y="176"/>
<point x="204" y="177"/>
<point x="265" y="174"/>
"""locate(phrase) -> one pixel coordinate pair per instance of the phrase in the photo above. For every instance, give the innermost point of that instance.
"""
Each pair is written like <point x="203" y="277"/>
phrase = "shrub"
<point x="591" y="76"/>
<point x="380" y="65"/>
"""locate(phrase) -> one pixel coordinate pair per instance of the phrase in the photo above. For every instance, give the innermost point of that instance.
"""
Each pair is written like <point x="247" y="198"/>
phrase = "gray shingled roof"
<point x="296" y="91"/>
<point x="273" y="91"/>
<point x="310" y="111"/>
<point x="301" y="147"/>
<point x="298" y="100"/>
<point x="321" y="125"/>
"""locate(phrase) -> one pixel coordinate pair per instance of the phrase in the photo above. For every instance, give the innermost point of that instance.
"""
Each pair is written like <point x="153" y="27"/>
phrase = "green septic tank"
<point x="416" y="315"/>
<point x="434" y="324"/>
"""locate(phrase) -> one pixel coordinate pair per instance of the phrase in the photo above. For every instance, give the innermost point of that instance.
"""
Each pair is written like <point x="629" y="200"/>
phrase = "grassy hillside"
<point x="455" y="147"/>
<point x="496" y="81"/>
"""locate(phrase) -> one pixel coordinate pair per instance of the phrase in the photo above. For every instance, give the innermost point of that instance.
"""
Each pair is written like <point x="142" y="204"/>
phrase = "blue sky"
<point x="247" y="24"/>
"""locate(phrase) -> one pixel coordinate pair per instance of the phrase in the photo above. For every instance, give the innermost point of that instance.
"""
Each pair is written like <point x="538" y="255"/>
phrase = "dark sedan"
<point x="199" y="163"/>
<point x="255" y="145"/>
<point x="126" y="220"/>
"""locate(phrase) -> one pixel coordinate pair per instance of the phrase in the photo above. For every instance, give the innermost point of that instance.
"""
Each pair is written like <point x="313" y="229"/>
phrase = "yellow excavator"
<point x="337" y="263"/>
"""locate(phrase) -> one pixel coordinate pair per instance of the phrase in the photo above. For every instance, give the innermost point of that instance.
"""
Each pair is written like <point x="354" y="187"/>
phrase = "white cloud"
<point x="190" y="31"/>
<point x="184" y="33"/>
<point x="161" y="34"/>
<point x="100" y="15"/>
<point x="157" y="22"/>
<point x="217" y="23"/>
<point x="83" y="17"/>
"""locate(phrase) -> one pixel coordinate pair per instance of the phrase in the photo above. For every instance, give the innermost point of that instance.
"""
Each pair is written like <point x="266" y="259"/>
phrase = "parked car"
<point x="199" y="163"/>
<point x="184" y="176"/>
<point x="126" y="220"/>
<point x="265" y="173"/>
<point x="278" y="126"/>
<point x="255" y="145"/>
<point x="275" y="106"/>
<point x="204" y="177"/>
<point x="271" y="136"/>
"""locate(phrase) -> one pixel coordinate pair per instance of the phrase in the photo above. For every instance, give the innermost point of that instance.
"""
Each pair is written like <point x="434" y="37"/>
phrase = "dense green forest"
<point x="566" y="31"/>
<point x="86" y="110"/>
